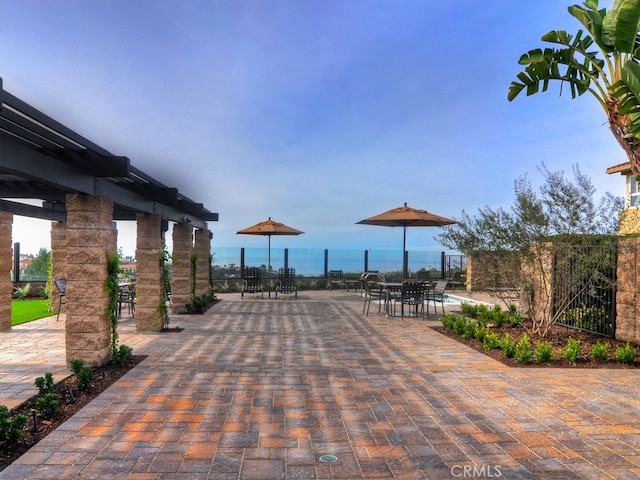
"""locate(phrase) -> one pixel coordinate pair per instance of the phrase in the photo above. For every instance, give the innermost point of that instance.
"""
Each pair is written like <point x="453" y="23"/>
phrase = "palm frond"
<point x="544" y="66"/>
<point x="620" y="25"/>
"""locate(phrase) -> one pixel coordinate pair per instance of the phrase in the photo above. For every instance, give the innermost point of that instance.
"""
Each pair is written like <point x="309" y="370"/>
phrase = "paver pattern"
<point x="266" y="389"/>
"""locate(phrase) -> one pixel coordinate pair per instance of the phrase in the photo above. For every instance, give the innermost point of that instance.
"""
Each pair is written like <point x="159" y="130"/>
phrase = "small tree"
<point x="516" y="245"/>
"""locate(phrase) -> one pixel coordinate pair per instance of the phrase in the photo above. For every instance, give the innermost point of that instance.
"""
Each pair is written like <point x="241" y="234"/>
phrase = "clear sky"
<point x="316" y="113"/>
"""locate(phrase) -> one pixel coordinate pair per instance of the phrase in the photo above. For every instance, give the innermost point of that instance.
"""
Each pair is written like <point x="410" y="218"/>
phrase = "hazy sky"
<point x="315" y="113"/>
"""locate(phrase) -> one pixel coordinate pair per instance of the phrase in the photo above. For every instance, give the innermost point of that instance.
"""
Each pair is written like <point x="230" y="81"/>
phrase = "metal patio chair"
<point x="252" y="281"/>
<point x="287" y="281"/>
<point x="437" y="295"/>
<point x="412" y="294"/>
<point x="61" y="286"/>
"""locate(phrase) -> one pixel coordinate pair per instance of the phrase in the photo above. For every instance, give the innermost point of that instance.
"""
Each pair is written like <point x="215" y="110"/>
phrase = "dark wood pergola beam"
<point x="41" y="158"/>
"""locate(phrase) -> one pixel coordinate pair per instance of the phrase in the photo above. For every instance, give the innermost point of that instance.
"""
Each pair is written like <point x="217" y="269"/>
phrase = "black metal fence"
<point x="584" y="286"/>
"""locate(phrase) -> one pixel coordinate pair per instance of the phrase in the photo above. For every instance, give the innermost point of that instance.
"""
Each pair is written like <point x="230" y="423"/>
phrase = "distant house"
<point x="630" y="217"/>
<point x="25" y="261"/>
<point x="128" y="267"/>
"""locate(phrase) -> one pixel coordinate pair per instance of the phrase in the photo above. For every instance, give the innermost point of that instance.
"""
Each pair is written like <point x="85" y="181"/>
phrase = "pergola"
<point x="42" y="159"/>
<point x="83" y="189"/>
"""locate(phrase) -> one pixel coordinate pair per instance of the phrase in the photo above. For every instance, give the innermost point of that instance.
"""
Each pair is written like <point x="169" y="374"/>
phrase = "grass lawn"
<point x="23" y="311"/>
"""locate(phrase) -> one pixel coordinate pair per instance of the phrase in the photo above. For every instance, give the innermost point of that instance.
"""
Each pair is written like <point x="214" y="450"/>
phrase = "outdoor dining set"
<point x="413" y="294"/>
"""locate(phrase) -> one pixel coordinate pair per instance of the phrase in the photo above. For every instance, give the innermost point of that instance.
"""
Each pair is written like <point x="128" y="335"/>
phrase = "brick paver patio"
<point x="268" y="389"/>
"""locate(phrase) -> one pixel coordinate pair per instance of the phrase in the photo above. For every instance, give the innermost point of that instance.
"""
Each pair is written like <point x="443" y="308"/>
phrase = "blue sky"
<point x="314" y="113"/>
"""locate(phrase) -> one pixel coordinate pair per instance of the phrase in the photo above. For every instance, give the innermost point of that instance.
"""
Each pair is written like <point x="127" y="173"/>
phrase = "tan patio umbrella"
<point x="406" y="217"/>
<point x="268" y="228"/>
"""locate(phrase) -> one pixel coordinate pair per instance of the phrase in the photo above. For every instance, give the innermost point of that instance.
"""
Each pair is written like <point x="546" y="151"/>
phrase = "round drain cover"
<point x="328" y="458"/>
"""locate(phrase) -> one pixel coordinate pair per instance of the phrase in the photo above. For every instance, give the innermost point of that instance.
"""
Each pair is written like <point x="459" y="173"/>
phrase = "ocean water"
<point x="310" y="262"/>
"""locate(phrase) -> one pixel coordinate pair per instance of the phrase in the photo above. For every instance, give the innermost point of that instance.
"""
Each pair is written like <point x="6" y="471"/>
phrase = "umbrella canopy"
<point x="268" y="228"/>
<point x="406" y="216"/>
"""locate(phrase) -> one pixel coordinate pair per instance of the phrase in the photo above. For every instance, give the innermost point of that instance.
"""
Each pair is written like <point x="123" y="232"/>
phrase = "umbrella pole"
<point x="269" y="269"/>
<point x="404" y="254"/>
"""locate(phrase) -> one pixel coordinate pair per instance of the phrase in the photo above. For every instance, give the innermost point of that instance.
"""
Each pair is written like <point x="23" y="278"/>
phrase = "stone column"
<point x="203" y="265"/>
<point x="627" y="294"/>
<point x="6" y="264"/>
<point x="181" y="279"/>
<point x="58" y="261"/>
<point x="90" y="239"/>
<point x="150" y="314"/>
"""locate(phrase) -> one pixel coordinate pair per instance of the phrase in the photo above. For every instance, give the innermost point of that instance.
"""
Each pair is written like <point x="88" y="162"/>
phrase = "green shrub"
<point x="482" y="312"/>
<point x="544" y="351"/>
<point x="76" y="365"/>
<point x="572" y="350"/>
<point x="459" y="325"/>
<point x="122" y="355"/>
<point x="84" y="379"/>
<point x="11" y="428"/>
<point x="600" y="351"/>
<point x="491" y="341"/>
<point x="48" y="405"/>
<point x="83" y="373"/>
<point x="469" y="309"/>
<point x="626" y="354"/>
<point x="447" y="320"/>
<point x="481" y="332"/>
<point x="469" y="330"/>
<point x="524" y="349"/>
<point x="508" y="345"/>
<point x="515" y="319"/>
<point x="45" y="384"/>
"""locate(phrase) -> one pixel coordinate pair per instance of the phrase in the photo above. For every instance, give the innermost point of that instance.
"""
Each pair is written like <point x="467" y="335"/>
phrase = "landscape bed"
<point x="103" y="378"/>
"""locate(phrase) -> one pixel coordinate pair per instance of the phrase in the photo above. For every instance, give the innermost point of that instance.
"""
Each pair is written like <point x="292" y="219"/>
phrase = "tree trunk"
<point x="619" y="127"/>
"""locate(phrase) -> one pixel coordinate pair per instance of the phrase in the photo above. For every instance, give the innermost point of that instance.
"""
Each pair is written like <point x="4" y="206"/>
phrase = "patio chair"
<point x="437" y="295"/>
<point x="371" y="292"/>
<point x="336" y="277"/>
<point x="127" y="298"/>
<point x="252" y="281"/>
<point x="61" y="286"/>
<point x="414" y="295"/>
<point x="287" y="281"/>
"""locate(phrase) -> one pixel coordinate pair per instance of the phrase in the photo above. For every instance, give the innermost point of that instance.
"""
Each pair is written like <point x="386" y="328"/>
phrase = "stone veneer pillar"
<point x="6" y="264"/>
<point x="203" y="264"/>
<point x="90" y="239"/>
<point x="627" y="293"/>
<point x="58" y="260"/>
<point x="181" y="280"/>
<point x="149" y="286"/>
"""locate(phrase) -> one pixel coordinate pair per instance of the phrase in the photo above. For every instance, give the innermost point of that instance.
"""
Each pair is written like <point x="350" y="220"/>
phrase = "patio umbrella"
<point x="406" y="217"/>
<point x="268" y="228"/>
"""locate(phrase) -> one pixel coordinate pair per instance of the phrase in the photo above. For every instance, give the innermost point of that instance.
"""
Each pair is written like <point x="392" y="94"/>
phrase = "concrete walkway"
<point x="271" y="389"/>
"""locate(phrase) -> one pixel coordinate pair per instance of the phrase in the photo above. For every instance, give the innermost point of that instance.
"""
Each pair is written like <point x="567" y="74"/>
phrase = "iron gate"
<point x="584" y="286"/>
